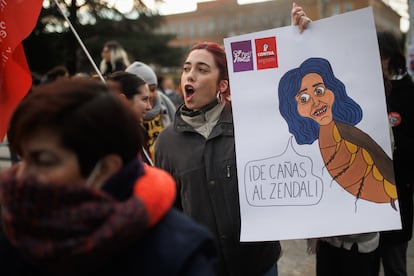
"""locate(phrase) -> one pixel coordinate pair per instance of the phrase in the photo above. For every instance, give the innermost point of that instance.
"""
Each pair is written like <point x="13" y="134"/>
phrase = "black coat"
<point x="206" y="176"/>
<point x="399" y="102"/>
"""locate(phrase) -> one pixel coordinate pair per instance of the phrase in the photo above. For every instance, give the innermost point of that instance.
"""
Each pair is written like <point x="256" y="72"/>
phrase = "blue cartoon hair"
<point x="306" y="130"/>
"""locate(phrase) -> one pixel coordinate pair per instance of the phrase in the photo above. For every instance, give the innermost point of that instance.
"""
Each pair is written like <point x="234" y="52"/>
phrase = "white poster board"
<point x="286" y="190"/>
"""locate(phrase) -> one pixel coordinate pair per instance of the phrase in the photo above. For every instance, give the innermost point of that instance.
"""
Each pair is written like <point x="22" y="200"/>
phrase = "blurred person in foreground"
<point x="198" y="149"/>
<point x="81" y="202"/>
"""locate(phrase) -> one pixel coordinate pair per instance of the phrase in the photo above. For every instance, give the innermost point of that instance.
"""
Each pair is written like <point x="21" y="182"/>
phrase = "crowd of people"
<point x="131" y="177"/>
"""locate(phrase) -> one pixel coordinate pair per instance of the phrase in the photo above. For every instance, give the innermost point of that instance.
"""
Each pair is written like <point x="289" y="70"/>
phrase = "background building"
<point x="215" y="20"/>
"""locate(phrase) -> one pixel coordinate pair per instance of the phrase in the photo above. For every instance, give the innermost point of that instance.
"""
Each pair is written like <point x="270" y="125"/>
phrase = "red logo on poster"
<point x="266" y="53"/>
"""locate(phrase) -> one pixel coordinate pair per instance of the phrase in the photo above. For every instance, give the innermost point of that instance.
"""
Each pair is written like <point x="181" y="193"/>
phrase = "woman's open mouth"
<point x="189" y="91"/>
<point x="320" y="111"/>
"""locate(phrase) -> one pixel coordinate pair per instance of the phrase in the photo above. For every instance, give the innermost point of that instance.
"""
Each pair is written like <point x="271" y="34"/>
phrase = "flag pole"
<point x="80" y="41"/>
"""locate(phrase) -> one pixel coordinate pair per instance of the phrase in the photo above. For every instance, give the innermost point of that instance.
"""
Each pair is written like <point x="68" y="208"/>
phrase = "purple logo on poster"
<point x="242" y="56"/>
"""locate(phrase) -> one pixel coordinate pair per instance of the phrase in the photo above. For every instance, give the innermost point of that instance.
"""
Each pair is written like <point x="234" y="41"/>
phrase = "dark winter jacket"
<point x="205" y="172"/>
<point x="401" y="112"/>
<point x="175" y="245"/>
<point x="119" y="66"/>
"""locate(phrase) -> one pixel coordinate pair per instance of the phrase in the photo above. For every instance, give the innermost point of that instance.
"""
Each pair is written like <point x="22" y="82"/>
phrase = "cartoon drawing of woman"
<point x="315" y="105"/>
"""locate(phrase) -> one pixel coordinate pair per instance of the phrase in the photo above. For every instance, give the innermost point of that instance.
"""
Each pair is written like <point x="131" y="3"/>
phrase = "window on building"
<point x="277" y="22"/>
<point x="191" y="31"/>
<point x="335" y="9"/>
<point x="261" y="22"/>
<point x="242" y="23"/>
<point x="181" y="30"/>
<point x="211" y="26"/>
<point x="163" y="29"/>
<point x="253" y="23"/>
<point x="348" y="7"/>
<point x="222" y="24"/>
<point x="201" y="29"/>
<point x="172" y="29"/>
<point x="231" y="24"/>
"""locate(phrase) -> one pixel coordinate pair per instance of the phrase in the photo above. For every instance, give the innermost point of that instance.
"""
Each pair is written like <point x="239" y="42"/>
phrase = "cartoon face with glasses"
<point x="315" y="105"/>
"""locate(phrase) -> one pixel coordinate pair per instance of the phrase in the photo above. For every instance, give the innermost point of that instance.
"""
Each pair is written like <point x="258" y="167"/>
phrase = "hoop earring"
<point x="219" y="98"/>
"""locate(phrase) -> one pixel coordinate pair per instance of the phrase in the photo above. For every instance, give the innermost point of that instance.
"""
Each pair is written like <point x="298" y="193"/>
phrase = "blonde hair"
<point x="118" y="54"/>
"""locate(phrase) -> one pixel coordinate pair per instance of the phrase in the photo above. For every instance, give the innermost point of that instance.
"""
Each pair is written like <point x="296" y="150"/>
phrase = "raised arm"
<point x="299" y="17"/>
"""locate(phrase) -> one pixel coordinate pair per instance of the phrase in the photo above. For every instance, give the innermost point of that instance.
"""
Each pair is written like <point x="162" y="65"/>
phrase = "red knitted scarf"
<point x="70" y="225"/>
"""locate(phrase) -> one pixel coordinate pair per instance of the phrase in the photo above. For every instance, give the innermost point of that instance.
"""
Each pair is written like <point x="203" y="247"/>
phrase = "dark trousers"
<point x="393" y="256"/>
<point x="333" y="261"/>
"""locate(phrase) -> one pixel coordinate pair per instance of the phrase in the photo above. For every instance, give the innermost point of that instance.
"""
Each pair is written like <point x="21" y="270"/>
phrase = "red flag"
<point x="17" y="20"/>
